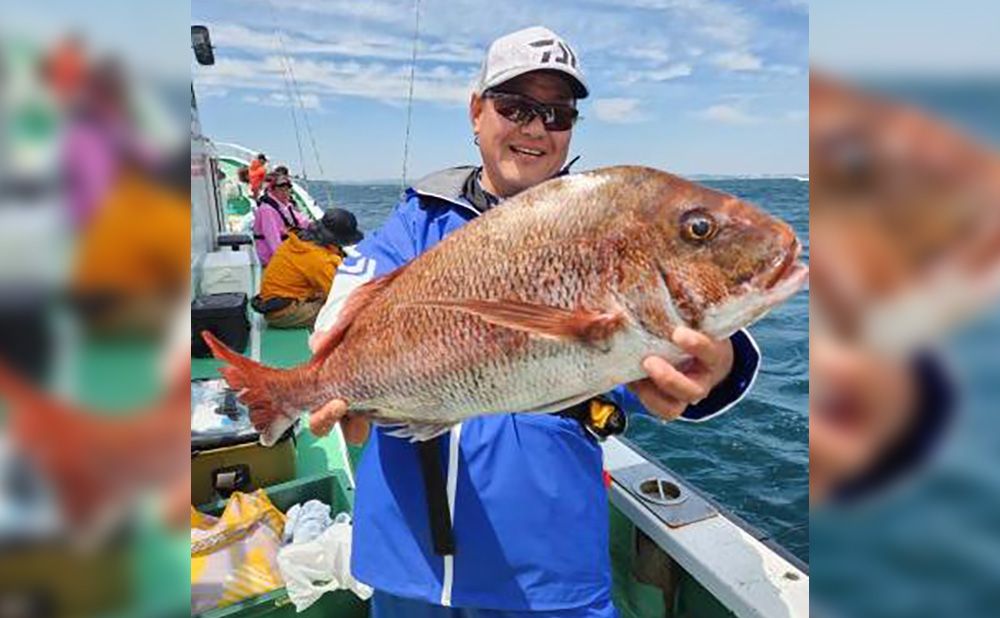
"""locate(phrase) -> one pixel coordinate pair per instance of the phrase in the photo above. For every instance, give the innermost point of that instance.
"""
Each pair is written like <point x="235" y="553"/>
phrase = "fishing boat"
<point x="674" y="550"/>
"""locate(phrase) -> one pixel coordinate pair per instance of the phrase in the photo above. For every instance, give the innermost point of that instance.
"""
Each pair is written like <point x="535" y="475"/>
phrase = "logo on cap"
<point x="566" y="57"/>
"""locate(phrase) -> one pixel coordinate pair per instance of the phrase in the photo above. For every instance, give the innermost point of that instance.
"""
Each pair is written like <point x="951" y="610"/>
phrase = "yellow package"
<point x="235" y="556"/>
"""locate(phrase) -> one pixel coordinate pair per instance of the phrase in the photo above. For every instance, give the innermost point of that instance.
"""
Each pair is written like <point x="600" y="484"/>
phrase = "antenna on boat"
<point x="409" y="98"/>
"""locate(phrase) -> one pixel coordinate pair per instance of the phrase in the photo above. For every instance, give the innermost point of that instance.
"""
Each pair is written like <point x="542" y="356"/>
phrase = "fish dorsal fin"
<point x="356" y="303"/>
<point x="584" y="325"/>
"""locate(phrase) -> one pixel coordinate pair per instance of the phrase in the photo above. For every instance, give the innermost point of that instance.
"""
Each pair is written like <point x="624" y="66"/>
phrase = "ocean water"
<point x="753" y="460"/>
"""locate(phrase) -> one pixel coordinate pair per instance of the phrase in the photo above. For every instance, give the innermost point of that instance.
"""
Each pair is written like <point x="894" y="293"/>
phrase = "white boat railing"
<point x="235" y="151"/>
<point x="745" y="575"/>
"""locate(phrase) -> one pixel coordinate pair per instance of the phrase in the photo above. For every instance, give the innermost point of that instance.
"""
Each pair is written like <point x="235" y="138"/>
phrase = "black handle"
<point x="234" y="241"/>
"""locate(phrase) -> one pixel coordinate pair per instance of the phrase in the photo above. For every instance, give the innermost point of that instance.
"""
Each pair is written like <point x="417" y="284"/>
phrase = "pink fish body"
<point x="545" y="301"/>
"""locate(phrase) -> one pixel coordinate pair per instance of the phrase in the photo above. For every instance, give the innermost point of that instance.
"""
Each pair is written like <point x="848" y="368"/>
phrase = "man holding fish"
<point x="625" y="283"/>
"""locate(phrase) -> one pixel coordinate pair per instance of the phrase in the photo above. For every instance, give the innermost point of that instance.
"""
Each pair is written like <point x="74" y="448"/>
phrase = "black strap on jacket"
<point x="291" y="224"/>
<point x="438" y="514"/>
<point x="474" y="193"/>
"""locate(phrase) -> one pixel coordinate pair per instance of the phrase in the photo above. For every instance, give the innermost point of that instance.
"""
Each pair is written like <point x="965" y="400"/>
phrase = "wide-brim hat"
<point x="341" y="226"/>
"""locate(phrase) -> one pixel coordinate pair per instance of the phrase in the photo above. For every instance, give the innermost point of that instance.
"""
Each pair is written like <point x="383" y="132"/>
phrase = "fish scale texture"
<point x="591" y="247"/>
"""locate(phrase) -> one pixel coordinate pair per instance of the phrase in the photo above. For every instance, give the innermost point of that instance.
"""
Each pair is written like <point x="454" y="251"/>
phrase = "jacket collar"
<point x="456" y="185"/>
<point x="447" y="185"/>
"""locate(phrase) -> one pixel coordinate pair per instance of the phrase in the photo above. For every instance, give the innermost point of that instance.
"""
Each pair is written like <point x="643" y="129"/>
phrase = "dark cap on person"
<point x="262" y="157"/>
<point x="341" y="227"/>
<point x="527" y="50"/>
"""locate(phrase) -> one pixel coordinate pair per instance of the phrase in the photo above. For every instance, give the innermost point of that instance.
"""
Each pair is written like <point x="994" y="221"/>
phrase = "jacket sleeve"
<point x="726" y="394"/>
<point x="381" y="252"/>
<point x="270" y="229"/>
<point x="936" y="405"/>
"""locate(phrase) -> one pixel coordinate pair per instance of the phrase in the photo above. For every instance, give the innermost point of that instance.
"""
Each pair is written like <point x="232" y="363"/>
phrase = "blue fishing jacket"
<point x="528" y="506"/>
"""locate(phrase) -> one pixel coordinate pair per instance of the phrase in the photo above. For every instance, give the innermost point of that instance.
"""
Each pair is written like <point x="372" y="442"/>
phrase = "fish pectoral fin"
<point x="355" y="305"/>
<point x="584" y="325"/>
<point x="561" y="404"/>
<point x="416" y="431"/>
<point x="420" y="432"/>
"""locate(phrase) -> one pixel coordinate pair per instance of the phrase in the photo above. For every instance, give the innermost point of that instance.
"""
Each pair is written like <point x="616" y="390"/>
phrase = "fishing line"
<point x="409" y="98"/>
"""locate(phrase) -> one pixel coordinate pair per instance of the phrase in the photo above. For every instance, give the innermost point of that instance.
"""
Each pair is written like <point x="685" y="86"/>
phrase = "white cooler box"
<point x="227" y="271"/>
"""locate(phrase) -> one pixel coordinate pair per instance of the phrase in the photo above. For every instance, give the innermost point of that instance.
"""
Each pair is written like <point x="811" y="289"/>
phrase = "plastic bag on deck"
<point x="323" y="564"/>
<point x="234" y="556"/>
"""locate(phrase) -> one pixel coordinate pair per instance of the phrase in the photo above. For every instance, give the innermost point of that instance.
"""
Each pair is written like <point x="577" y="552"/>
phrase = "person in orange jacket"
<point x="298" y="277"/>
<point x="129" y="277"/>
<point x="258" y="169"/>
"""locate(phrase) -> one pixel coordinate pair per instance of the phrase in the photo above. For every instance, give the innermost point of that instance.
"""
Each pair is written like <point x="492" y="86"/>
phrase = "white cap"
<point x="531" y="49"/>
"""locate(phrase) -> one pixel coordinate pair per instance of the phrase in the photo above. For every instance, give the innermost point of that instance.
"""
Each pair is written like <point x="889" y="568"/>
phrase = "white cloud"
<point x="279" y="99"/>
<point x="375" y="11"/>
<point x="729" y="114"/>
<point x="622" y="42"/>
<point x="375" y="80"/>
<point x="654" y="54"/>
<point x="350" y="43"/>
<point x="660" y="74"/>
<point x="204" y="91"/>
<point x="738" y="61"/>
<point x="785" y="69"/>
<point x="618" y="110"/>
<point x="735" y="114"/>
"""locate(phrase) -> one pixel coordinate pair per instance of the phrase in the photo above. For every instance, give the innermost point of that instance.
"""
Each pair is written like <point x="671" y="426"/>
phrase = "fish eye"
<point x="698" y="226"/>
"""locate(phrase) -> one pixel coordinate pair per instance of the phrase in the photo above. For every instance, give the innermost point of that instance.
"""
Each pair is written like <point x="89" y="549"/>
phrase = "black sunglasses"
<point x="284" y="185"/>
<point x="521" y="109"/>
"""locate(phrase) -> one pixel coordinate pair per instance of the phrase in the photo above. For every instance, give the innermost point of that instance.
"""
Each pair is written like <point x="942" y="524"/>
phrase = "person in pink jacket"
<point x="276" y="215"/>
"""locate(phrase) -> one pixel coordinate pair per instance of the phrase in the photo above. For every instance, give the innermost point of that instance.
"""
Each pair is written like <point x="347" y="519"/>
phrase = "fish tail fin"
<point x="54" y="437"/>
<point x="275" y="397"/>
<point x="17" y="392"/>
<point x="34" y="417"/>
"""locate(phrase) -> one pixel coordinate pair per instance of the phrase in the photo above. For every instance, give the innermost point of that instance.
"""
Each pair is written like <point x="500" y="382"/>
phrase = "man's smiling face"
<point x="519" y="156"/>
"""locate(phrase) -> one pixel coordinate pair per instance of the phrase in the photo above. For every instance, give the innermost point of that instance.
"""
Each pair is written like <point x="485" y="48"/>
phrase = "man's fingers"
<point x="696" y="344"/>
<point x="318" y="338"/>
<point x="672" y="382"/>
<point x="664" y="406"/>
<point x="356" y="429"/>
<point x="322" y="420"/>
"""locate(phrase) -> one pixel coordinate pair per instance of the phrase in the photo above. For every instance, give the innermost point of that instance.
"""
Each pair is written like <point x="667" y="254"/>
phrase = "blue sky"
<point x="691" y="86"/>
<point x="898" y="37"/>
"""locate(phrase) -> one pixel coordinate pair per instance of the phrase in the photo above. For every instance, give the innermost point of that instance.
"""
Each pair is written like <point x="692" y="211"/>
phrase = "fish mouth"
<point x="758" y="296"/>
<point x="783" y="268"/>
<point x="787" y="272"/>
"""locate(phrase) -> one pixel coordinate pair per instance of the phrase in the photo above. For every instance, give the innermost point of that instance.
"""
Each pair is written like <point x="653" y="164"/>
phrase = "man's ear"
<point x="475" y="112"/>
